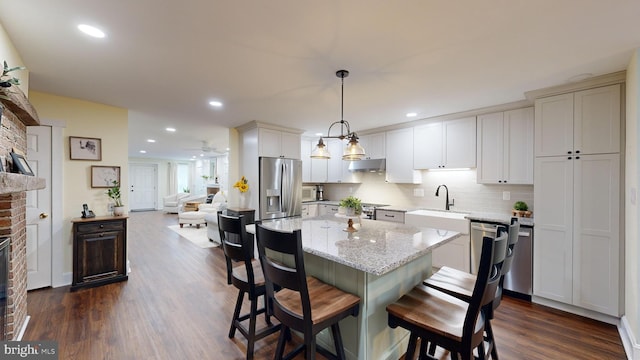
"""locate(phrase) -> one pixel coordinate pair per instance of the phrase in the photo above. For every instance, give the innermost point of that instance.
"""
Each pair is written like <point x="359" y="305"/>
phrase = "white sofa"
<point x="218" y="203"/>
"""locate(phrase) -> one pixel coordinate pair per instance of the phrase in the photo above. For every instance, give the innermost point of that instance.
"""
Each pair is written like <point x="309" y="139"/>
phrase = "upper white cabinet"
<point x="338" y="169"/>
<point x="584" y="122"/>
<point x="276" y="143"/>
<point x="305" y="156"/>
<point x="505" y="147"/>
<point x="399" y="150"/>
<point x="445" y="144"/>
<point x="374" y="145"/>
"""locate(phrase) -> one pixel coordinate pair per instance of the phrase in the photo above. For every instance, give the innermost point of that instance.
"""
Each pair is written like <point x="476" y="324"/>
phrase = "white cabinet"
<point x="276" y="143"/>
<point x="584" y="122"/>
<point x="338" y="169"/>
<point x="577" y="244"/>
<point x="505" y="147"/>
<point x="445" y="144"/>
<point x="577" y="197"/>
<point x="309" y="210"/>
<point x="390" y="215"/>
<point x="374" y="145"/>
<point x="454" y="254"/>
<point x="313" y="170"/>
<point x="399" y="149"/>
<point x="324" y="209"/>
<point x="305" y="156"/>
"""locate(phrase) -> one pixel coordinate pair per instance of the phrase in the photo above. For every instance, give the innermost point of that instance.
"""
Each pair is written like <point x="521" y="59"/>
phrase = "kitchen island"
<point x="380" y="262"/>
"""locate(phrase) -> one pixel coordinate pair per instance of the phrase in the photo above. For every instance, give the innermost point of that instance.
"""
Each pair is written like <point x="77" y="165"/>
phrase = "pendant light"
<point x="353" y="151"/>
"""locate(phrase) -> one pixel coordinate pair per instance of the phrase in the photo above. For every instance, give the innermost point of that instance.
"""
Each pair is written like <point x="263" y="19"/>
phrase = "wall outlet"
<point x="506" y="195"/>
<point x="418" y="192"/>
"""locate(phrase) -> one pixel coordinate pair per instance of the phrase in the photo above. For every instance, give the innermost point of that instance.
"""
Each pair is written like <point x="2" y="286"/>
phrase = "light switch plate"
<point x="506" y="195"/>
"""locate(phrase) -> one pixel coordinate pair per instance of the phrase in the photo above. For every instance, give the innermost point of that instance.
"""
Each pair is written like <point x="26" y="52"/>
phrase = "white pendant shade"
<point x="321" y="151"/>
<point x="353" y="151"/>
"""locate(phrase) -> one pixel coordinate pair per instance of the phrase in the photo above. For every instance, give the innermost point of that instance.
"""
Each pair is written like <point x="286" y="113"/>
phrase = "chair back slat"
<point x="282" y="262"/>
<point x="514" y="230"/>
<point x="235" y="244"/>
<point x="492" y="255"/>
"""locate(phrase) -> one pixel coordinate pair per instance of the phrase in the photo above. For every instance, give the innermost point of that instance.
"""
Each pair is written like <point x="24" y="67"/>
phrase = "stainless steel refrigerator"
<point x="280" y="192"/>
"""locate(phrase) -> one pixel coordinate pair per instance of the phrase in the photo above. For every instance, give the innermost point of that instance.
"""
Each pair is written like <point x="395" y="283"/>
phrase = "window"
<point x="183" y="178"/>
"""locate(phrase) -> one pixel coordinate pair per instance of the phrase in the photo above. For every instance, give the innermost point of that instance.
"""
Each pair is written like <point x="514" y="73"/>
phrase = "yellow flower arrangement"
<point x="242" y="185"/>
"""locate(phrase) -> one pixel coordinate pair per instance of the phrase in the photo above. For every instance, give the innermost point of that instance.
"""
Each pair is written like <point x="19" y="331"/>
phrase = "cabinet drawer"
<point x="100" y="226"/>
<point x="388" y="215"/>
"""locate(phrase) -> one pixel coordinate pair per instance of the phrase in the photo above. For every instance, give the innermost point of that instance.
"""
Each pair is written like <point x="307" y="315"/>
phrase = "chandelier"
<point x="353" y="151"/>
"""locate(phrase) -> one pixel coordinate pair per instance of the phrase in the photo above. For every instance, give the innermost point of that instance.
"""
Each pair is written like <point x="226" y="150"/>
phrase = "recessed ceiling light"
<point x="193" y="157"/>
<point x="215" y="103"/>
<point x="91" y="31"/>
<point x="143" y="151"/>
<point x="150" y="141"/>
<point x="201" y="155"/>
<point x="228" y="149"/>
<point x="170" y="129"/>
<point x="412" y="114"/>
<point x="319" y="134"/>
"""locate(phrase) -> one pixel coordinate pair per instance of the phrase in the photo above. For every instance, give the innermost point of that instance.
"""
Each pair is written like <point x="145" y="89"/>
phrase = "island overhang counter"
<point x="380" y="262"/>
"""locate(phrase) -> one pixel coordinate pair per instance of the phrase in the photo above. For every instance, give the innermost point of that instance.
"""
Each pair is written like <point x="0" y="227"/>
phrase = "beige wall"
<point x="632" y="249"/>
<point x="9" y="54"/>
<point x="86" y="119"/>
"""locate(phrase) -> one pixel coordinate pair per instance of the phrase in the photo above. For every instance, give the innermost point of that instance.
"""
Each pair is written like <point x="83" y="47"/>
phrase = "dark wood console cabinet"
<point x="99" y="251"/>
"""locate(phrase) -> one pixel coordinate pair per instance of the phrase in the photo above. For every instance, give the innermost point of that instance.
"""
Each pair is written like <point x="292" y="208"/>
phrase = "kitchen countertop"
<point x="498" y="218"/>
<point x="378" y="247"/>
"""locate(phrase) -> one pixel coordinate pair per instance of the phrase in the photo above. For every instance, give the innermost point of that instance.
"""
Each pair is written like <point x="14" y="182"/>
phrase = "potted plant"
<point x="114" y="194"/>
<point x="520" y="208"/>
<point x="350" y="206"/>
<point x="6" y="82"/>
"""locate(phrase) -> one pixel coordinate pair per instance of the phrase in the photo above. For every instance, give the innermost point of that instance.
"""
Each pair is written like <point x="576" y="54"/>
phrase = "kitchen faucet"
<point x="447" y="197"/>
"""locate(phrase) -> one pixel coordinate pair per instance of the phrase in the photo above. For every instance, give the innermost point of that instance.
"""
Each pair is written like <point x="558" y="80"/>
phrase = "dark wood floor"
<point x="177" y="305"/>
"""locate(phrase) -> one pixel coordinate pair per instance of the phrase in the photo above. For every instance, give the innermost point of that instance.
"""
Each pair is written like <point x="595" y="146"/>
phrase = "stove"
<point x="369" y="210"/>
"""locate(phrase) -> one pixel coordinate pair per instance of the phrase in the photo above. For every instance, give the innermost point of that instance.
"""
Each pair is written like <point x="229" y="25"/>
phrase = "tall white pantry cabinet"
<point x="577" y="200"/>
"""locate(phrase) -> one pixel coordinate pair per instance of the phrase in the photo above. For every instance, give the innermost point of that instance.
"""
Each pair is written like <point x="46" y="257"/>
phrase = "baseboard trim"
<point x="631" y="345"/>
<point x="23" y="328"/>
<point x="577" y="310"/>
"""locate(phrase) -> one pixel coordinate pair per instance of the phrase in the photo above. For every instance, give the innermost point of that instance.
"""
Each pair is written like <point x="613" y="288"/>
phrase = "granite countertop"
<point x="498" y="218"/>
<point x="378" y="247"/>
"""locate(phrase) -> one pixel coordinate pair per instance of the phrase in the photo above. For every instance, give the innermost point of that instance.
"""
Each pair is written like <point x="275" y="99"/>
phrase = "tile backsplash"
<point x="463" y="189"/>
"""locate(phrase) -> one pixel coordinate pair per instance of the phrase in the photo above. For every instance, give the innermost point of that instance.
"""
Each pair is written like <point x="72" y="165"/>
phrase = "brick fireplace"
<point x="17" y="114"/>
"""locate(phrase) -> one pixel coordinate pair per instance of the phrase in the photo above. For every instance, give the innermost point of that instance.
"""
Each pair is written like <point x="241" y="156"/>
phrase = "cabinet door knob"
<point x="44" y="215"/>
<point x="568" y="152"/>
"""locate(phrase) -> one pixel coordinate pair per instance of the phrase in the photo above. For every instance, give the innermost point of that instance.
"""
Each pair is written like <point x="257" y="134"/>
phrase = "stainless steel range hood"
<point x="370" y="165"/>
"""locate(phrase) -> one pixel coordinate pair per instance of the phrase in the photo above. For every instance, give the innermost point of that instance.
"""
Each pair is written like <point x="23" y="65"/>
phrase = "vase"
<point x="244" y="199"/>
<point x="118" y="210"/>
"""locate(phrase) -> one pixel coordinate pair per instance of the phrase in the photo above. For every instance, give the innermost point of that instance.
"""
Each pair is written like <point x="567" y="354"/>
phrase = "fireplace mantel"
<point x="13" y="183"/>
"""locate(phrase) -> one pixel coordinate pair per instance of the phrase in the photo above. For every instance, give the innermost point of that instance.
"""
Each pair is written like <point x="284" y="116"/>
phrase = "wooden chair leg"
<point x="492" y="342"/>
<point x="422" y="355"/>
<point x="411" y="348"/>
<point x="236" y="314"/>
<point x="337" y="340"/>
<point x="281" y="341"/>
<point x="267" y="312"/>
<point x="251" y="339"/>
<point x="310" y="347"/>
<point x="432" y="349"/>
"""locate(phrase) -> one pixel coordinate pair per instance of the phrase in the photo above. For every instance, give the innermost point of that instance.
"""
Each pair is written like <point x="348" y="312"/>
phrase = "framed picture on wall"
<point x="21" y="166"/>
<point x="83" y="148"/>
<point x="104" y="176"/>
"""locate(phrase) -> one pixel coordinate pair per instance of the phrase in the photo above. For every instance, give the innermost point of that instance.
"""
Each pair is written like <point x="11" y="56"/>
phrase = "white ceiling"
<point x="275" y="61"/>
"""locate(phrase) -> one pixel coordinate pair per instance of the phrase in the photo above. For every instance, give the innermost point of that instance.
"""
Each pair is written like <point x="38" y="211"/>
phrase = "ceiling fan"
<point x="207" y="149"/>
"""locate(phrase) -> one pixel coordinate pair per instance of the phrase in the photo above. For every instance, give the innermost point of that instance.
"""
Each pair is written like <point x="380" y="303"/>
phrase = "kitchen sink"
<point x="444" y="220"/>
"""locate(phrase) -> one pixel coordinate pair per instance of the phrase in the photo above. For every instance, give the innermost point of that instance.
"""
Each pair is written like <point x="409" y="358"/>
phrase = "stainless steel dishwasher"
<point x="519" y="280"/>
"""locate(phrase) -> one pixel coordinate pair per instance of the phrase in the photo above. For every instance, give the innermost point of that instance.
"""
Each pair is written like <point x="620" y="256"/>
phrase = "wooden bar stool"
<point x="460" y="284"/>
<point x="443" y="320"/>
<point x="246" y="275"/>
<point x="304" y="304"/>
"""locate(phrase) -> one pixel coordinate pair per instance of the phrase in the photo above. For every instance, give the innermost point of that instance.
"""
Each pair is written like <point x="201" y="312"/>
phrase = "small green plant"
<point x="352" y="202"/>
<point x="521" y="206"/>
<point x="6" y="80"/>
<point x="186" y="190"/>
<point x="114" y="193"/>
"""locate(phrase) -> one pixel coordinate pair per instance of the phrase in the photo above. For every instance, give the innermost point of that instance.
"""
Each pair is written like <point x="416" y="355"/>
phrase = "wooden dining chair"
<point x="460" y="284"/>
<point x="303" y="303"/>
<point x="440" y="319"/>
<point x="245" y="274"/>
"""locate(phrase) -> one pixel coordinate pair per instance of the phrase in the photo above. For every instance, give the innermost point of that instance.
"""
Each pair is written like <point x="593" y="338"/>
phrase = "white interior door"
<point x="38" y="209"/>
<point x="143" y="180"/>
